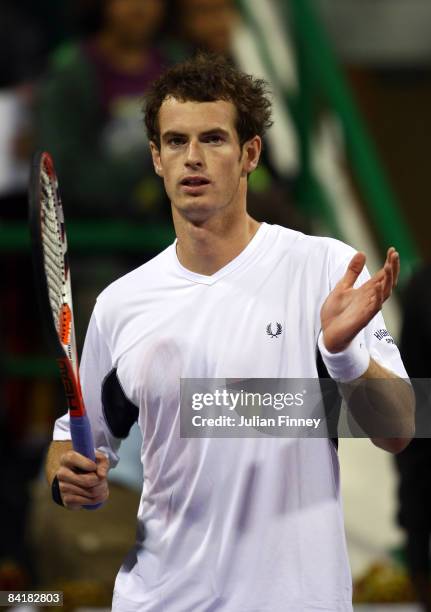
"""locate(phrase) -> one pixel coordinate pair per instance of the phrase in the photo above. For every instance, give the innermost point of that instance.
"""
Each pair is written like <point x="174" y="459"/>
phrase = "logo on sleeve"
<point x="383" y="334"/>
<point x="279" y="330"/>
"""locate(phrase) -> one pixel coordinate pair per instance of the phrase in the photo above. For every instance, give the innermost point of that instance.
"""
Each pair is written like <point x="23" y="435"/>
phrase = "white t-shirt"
<point x="229" y="525"/>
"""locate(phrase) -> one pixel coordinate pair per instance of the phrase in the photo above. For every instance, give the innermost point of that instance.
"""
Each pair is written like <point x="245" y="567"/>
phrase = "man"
<point x="236" y="524"/>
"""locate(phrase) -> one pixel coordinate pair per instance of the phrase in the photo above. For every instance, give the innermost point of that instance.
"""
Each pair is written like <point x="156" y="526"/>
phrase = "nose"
<point x="194" y="158"/>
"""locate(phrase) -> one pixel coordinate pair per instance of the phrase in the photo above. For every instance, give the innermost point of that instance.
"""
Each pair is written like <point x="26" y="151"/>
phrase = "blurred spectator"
<point x="206" y="25"/>
<point x="88" y="115"/>
<point x="21" y="61"/>
<point x="88" y="112"/>
<point x="414" y="463"/>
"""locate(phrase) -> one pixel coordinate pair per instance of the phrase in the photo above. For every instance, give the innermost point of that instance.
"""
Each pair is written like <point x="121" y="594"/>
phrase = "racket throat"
<point x="71" y="389"/>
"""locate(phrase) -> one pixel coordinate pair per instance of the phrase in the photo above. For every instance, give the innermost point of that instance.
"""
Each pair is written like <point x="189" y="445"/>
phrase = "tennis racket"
<point x="50" y="258"/>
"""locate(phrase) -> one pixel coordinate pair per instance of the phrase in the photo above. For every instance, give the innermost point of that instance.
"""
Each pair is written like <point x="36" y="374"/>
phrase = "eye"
<point x="214" y="138"/>
<point x="176" y="141"/>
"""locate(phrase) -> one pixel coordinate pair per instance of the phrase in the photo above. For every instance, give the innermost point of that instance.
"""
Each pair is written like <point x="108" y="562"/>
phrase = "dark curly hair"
<point x="207" y="78"/>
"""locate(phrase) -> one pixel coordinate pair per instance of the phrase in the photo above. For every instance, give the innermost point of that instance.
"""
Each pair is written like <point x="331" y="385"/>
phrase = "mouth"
<point x="194" y="184"/>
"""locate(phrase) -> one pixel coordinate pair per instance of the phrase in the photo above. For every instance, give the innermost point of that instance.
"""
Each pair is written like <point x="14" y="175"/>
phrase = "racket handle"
<point x="82" y="440"/>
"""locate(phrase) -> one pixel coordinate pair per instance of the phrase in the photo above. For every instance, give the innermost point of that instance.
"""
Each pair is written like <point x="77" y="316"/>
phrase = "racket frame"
<point x="66" y="354"/>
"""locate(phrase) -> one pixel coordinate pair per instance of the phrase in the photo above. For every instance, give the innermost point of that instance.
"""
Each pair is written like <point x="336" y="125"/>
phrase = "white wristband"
<point x="346" y="365"/>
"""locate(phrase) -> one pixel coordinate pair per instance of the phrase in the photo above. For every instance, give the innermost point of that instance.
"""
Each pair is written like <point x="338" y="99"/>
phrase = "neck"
<point x="207" y="247"/>
<point x="125" y="57"/>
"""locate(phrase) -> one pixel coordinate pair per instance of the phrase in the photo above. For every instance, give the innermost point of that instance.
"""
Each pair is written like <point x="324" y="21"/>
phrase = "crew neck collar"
<point x="228" y="268"/>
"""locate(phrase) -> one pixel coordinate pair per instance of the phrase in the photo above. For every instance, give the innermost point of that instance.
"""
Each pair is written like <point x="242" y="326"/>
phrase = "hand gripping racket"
<point x="49" y="249"/>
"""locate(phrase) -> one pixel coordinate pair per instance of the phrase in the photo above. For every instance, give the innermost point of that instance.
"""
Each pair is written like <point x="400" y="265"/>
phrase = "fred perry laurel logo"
<point x="270" y="332"/>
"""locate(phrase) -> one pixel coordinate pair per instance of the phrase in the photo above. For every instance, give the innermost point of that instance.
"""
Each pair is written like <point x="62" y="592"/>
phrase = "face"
<point x="208" y="24"/>
<point x="134" y="20"/>
<point x="200" y="159"/>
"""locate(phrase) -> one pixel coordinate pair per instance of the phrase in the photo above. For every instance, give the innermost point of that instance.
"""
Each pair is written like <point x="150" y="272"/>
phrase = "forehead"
<point x="179" y="116"/>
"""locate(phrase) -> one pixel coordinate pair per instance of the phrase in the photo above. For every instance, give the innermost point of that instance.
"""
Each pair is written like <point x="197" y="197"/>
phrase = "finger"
<point x="74" y="496"/>
<point x="395" y="268"/>
<point x="377" y="278"/>
<point x="388" y="281"/>
<point x="379" y="295"/>
<point x="67" y="490"/>
<point x="102" y="462"/>
<point x="389" y="253"/>
<point x="99" y="492"/>
<point x="354" y="269"/>
<point x="75" y="502"/>
<point x="86" y="480"/>
<point x="76" y="461"/>
<point x="393" y="258"/>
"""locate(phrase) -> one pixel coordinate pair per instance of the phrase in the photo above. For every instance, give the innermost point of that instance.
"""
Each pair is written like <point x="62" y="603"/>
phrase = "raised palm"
<point x="347" y="310"/>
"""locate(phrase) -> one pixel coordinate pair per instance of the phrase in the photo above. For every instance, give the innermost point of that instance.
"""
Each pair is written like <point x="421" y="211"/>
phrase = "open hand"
<point x="347" y="310"/>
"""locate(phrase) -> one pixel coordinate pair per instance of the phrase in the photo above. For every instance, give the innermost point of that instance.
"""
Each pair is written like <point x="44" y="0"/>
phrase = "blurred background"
<point x="347" y="157"/>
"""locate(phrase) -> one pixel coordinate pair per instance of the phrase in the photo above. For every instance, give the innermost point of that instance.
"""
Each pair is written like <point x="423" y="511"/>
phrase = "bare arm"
<point x="380" y="401"/>
<point x="81" y="481"/>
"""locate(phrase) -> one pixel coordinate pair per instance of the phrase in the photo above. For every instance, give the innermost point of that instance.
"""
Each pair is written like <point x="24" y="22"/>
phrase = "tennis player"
<point x="228" y="524"/>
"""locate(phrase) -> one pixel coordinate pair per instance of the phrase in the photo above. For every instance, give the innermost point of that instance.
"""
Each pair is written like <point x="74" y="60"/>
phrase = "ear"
<point x="251" y="151"/>
<point x="155" y="154"/>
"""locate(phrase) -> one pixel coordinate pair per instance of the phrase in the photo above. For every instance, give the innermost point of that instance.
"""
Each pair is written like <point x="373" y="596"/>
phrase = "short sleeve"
<point x="96" y="364"/>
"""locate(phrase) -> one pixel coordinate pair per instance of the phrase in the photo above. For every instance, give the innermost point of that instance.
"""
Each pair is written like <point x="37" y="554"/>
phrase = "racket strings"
<point x="53" y="248"/>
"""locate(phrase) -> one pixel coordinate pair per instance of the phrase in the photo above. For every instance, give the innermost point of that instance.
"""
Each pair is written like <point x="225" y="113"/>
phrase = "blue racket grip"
<point x="82" y="440"/>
